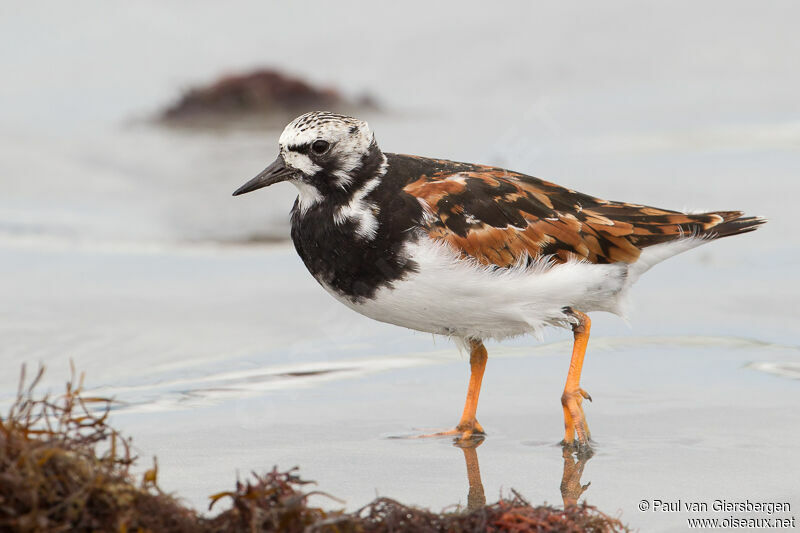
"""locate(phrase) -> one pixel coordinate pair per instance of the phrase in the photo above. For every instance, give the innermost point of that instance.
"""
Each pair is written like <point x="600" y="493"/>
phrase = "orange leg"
<point x="574" y="420"/>
<point x="468" y="427"/>
<point x="477" y="362"/>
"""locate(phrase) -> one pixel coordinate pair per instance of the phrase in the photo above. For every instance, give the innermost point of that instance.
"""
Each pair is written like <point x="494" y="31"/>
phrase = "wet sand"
<point x="675" y="415"/>
<point x="122" y="250"/>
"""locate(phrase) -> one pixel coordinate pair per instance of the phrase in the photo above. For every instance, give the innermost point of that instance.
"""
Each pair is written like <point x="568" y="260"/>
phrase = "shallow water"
<point x="122" y="250"/>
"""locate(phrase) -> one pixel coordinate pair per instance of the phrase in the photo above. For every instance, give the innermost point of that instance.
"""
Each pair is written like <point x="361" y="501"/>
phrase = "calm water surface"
<point x="122" y="250"/>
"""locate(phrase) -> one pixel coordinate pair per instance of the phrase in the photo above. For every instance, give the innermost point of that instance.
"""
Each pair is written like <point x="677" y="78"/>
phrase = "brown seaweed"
<point x="256" y="97"/>
<point x="64" y="468"/>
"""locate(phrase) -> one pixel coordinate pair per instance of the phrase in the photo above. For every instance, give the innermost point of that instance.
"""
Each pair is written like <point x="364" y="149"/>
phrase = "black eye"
<point x="320" y="146"/>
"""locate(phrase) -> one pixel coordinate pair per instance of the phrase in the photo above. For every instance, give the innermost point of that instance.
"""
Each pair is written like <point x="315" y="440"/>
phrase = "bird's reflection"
<point x="571" y="488"/>
<point x="475" y="497"/>
<point x="574" y="462"/>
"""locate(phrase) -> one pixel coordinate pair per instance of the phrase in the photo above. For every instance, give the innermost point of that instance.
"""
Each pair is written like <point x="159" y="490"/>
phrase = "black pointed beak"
<point x="275" y="173"/>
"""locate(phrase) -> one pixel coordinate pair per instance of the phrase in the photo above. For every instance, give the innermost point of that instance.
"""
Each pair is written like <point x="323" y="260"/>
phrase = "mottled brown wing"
<point x="500" y="217"/>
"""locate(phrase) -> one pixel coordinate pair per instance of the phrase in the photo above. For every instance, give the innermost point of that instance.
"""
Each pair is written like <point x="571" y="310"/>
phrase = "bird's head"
<point x="323" y="154"/>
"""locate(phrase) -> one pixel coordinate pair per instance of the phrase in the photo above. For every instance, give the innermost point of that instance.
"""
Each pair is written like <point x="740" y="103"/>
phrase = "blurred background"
<point x="122" y="250"/>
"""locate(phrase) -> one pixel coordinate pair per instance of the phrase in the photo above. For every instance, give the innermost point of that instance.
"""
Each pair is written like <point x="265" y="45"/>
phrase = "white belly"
<point x="456" y="297"/>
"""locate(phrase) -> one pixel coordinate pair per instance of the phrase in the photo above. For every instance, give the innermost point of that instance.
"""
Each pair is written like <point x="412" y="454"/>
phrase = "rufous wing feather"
<point x="500" y="218"/>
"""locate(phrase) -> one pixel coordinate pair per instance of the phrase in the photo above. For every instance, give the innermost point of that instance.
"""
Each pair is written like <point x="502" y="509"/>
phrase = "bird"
<point x="468" y="251"/>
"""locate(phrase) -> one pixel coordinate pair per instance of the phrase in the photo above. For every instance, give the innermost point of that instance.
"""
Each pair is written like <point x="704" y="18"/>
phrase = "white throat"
<point x="307" y="195"/>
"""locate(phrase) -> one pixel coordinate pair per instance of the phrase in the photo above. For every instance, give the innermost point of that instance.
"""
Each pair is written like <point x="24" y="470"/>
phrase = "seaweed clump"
<point x="257" y="95"/>
<point x="63" y="468"/>
<point x="275" y="503"/>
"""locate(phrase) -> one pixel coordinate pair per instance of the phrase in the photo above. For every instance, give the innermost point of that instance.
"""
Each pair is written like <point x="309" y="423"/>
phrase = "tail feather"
<point x="645" y="226"/>
<point x="654" y="230"/>
<point x="698" y="231"/>
<point x="733" y="224"/>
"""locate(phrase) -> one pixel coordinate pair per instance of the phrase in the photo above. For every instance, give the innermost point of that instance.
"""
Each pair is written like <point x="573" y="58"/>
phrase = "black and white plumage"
<point x="469" y="251"/>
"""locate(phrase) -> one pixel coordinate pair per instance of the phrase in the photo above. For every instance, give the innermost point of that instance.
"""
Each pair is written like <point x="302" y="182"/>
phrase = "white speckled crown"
<point x="350" y="140"/>
<point x="328" y="126"/>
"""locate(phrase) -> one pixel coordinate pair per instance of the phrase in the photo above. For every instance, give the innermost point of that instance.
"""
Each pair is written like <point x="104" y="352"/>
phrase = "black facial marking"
<point x="334" y="253"/>
<point x="300" y="148"/>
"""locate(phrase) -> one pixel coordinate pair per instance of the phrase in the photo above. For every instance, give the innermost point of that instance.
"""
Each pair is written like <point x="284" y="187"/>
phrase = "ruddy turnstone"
<point x="469" y="251"/>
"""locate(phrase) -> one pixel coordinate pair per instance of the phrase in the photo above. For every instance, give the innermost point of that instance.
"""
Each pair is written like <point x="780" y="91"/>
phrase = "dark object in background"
<point x="263" y="94"/>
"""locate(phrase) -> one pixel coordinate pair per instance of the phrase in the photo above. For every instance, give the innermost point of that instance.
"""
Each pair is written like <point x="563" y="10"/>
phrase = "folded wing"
<point x="503" y="218"/>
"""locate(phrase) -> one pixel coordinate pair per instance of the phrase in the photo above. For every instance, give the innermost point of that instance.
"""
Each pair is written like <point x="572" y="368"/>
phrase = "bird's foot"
<point x="470" y="427"/>
<point x="467" y="433"/>
<point x="576" y="429"/>
<point x="471" y="433"/>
